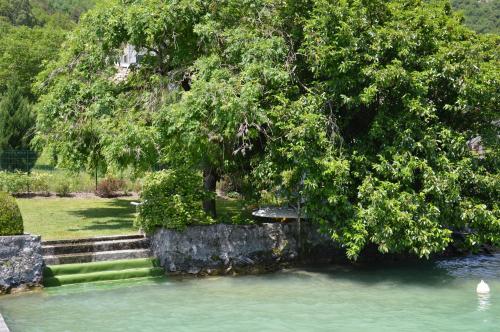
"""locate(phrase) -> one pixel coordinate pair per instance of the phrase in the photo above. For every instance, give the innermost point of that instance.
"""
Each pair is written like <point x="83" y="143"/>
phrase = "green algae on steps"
<point x="58" y="275"/>
<point x="121" y="264"/>
<point x="102" y="276"/>
<point x="108" y="285"/>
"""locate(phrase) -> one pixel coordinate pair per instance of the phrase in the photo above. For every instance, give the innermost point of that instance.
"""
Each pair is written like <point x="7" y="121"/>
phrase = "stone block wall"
<point x="21" y="262"/>
<point x="223" y="249"/>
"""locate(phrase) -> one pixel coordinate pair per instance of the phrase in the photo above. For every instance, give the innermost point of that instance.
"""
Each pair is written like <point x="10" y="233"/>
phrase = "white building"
<point x="129" y="57"/>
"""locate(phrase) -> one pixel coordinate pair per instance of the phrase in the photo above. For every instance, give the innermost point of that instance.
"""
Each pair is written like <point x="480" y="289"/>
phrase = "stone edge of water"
<point x="3" y="325"/>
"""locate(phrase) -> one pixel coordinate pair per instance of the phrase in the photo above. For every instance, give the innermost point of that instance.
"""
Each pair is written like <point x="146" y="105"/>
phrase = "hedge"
<point x="11" y="221"/>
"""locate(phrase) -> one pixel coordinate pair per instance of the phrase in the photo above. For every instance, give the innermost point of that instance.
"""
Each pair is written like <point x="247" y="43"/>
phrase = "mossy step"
<point x="102" y="276"/>
<point x="82" y="268"/>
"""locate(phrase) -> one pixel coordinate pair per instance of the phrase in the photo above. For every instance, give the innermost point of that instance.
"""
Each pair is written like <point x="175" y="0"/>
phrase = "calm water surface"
<point x="430" y="296"/>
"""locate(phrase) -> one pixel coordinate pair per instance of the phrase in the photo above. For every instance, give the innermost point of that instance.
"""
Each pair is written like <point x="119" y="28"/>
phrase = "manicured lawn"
<point x="66" y="218"/>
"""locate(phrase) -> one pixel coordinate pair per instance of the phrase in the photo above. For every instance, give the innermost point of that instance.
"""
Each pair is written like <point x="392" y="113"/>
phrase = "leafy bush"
<point x="172" y="199"/>
<point x="11" y="221"/>
<point x="63" y="189"/>
<point x="39" y="182"/>
<point x="233" y="195"/>
<point x="109" y="187"/>
<point x="18" y="182"/>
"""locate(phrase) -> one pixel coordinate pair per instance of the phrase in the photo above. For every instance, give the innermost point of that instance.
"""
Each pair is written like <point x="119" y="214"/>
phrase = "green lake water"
<point x="428" y="296"/>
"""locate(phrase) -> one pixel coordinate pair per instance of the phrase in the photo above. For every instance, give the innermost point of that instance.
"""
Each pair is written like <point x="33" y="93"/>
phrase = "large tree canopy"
<point x="31" y="33"/>
<point x="360" y="109"/>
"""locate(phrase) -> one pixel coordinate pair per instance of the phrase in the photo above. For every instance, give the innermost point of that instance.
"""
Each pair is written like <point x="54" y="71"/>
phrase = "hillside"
<point x="481" y="15"/>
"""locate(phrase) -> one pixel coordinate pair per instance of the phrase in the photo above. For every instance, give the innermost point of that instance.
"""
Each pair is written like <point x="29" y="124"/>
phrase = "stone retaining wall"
<point x="223" y="249"/>
<point x="21" y="262"/>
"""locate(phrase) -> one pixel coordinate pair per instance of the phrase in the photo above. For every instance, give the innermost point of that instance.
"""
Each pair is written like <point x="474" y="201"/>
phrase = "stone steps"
<point x="59" y="275"/>
<point x="95" y="239"/>
<point x="98" y="259"/>
<point x="106" y="248"/>
<point x="65" y="269"/>
<point x="99" y="256"/>
<point x="89" y="247"/>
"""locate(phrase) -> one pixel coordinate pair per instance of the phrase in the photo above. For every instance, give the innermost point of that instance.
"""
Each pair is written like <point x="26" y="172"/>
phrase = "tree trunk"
<point x="209" y="183"/>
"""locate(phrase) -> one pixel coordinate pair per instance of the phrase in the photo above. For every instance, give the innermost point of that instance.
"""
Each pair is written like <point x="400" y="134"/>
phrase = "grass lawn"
<point x="228" y="209"/>
<point x="66" y="218"/>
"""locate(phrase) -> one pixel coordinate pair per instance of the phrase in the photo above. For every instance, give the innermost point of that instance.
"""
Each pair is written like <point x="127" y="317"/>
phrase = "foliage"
<point x="19" y="183"/>
<point x="31" y="33"/>
<point x="480" y="15"/>
<point x="63" y="189"/>
<point x="17" y="12"/>
<point x="73" y="8"/>
<point x="109" y="187"/>
<point x="171" y="199"/>
<point x="357" y="111"/>
<point x="16" y="120"/>
<point x="11" y="221"/>
<point x="407" y="98"/>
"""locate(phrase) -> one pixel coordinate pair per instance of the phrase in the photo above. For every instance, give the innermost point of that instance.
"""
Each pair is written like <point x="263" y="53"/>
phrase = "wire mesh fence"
<point x="25" y="171"/>
<point x="17" y="160"/>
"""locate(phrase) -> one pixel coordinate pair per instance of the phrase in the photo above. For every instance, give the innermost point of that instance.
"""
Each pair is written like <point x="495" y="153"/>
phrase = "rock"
<point x="228" y="249"/>
<point x="21" y="262"/>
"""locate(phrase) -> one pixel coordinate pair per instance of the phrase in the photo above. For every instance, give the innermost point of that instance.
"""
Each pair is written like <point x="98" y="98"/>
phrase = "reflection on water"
<point x="480" y="267"/>
<point x="483" y="302"/>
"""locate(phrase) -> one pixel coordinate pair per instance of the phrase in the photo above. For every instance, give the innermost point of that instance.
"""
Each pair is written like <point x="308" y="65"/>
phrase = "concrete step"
<point x="103" y="276"/>
<point x="96" y="256"/>
<point x="95" y="246"/>
<point x="94" y="239"/>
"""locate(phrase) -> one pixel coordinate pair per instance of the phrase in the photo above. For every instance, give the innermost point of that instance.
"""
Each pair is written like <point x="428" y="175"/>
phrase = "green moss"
<point x="83" y="268"/>
<point x="103" y="276"/>
<point x="11" y="221"/>
<point x="57" y="275"/>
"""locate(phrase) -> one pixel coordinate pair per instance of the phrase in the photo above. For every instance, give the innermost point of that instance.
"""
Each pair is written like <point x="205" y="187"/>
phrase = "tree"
<point x="408" y="86"/>
<point x="482" y="16"/>
<point x="17" y="12"/>
<point x="31" y="34"/>
<point x="358" y="109"/>
<point x="16" y="120"/>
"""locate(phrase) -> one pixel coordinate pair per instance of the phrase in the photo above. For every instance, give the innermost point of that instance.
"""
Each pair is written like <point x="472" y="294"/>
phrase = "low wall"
<point x="223" y="249"/>
<point x="21" y="262"/>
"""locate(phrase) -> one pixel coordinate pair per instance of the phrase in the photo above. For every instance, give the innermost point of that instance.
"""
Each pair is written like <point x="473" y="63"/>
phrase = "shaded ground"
<point x="66" y="218"/>
<point x="233" y="211"/>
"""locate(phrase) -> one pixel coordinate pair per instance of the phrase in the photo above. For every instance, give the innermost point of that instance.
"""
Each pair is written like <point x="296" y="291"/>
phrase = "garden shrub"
<point x="39" y="182"/>
<point x="11" y="221"/>
<point x="18" y="182"/>
<point x="109" y="187"/>
<point x="63" y="189"/>
<point x="14" y="183"/>
<point x="172" y="199"/>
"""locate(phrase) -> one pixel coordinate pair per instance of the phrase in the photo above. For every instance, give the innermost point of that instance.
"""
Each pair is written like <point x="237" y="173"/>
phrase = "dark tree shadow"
<point x="117" y="209"/>
<point x="118" y="214"/>
<point x="430" y="273"/>
<point x="106" y="225"/>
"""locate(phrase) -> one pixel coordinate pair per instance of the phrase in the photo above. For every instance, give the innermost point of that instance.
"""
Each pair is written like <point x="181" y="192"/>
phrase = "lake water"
<point x="428" y="296"/>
